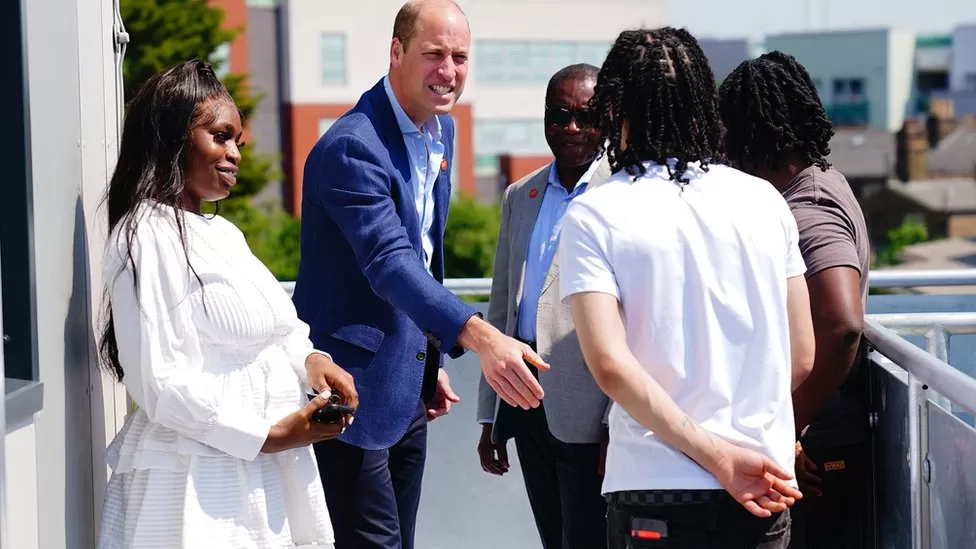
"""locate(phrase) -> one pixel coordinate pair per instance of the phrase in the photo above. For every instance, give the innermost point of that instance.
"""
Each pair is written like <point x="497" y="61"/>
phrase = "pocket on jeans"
<point x="778" y="534"/>
<point x="660" y="531"/>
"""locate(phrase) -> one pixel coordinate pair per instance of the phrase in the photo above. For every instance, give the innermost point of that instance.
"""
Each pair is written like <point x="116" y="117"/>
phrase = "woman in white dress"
<point x="208" y="345"/>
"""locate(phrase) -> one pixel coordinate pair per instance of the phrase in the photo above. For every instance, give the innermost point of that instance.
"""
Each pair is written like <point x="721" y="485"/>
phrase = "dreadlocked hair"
<point x="660" y="84"/>
<point x="772" y="111"/>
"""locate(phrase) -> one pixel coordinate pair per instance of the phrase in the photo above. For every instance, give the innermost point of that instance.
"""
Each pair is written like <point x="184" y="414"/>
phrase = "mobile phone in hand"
<point x="332" y="412"/>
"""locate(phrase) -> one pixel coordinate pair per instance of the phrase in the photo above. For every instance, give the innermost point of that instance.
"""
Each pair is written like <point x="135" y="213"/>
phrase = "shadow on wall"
<point x="79" y="358"/>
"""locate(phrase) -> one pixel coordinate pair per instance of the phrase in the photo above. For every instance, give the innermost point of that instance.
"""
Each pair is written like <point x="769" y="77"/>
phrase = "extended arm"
<point x="355" y="192"/>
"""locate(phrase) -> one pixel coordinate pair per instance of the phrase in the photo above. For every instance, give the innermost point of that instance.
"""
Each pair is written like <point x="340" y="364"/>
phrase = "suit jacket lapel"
<point x="390" y="133"/>
<point x="600" y="175"/>
<point x="551" y="275"/>
<point x="527" y="212"/>
<point x="442" y="201"/>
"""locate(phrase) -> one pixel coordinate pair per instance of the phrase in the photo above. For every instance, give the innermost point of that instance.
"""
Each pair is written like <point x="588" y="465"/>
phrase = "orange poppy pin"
<point x="533" y="193"/>
<point x="443" y="164"/>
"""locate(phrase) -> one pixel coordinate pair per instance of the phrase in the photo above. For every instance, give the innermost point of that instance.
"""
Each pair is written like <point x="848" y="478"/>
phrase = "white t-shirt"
<point x="701" y="275"/>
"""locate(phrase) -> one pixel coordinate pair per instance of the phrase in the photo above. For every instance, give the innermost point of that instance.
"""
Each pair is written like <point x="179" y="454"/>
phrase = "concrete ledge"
<point x="22" y="399"/>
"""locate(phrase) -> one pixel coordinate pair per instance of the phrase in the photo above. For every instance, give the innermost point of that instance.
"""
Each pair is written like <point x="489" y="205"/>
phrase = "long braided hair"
<point x="771" y="111"/>
<point x="660" y="83"/>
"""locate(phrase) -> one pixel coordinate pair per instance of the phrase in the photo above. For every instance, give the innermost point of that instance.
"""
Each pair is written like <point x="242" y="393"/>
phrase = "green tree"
<point x="163" y="33"/>
<point x="470" y="238"/>
<point x="911" y="231"/>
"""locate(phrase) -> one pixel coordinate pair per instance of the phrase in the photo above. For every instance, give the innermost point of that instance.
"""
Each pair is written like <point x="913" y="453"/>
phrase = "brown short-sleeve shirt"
<point x="832" y="234"/>
<point x="830" y="221"/>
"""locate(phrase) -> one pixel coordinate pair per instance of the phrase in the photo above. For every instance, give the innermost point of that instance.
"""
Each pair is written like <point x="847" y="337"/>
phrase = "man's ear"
<point x="396" y="52"/>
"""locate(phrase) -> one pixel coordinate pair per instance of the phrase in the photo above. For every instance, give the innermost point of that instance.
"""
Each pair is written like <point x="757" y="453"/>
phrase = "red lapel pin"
<point x="443" y="164"/>
<point x="533" y="193"/>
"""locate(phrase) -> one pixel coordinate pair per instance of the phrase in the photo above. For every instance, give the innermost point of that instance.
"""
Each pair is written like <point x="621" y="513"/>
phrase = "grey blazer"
<point x="575" y="406"/>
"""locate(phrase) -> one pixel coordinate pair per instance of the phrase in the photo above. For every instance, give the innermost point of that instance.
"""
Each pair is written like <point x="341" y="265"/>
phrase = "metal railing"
<point x="929" y="388"/>
<point x="887" y="278"/>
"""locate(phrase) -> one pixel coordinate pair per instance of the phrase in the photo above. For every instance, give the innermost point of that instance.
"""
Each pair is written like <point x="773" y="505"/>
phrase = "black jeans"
<point x="690" y="519"/>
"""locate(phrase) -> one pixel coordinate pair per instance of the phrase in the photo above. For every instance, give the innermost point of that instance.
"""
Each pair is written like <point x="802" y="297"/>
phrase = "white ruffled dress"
<point x="211" y="367"/>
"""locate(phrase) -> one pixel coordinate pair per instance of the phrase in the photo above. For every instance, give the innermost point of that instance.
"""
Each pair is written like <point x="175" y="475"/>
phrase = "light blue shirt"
<point x="425" y="150"/>
<point x="543" y="244"/>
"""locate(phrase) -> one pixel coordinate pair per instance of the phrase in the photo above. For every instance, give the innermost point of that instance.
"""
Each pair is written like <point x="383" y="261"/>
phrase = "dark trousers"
<point x="373" y="495"/>
<point x="562" y="483"/>
<point x="690" y="519"/>
<point x="841" y="518"/>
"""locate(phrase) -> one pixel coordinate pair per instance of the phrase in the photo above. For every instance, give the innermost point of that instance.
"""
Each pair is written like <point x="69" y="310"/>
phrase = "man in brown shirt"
<point x="777" y="129"/>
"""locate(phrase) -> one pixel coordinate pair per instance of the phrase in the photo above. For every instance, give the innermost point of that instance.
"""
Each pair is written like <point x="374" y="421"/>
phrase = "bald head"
<point x="408" y="18"/>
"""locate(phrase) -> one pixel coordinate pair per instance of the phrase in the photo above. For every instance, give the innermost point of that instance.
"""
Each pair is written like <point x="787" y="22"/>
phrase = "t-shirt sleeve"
<point x="584" y="254"/>
<point x="795" y="266"/>
<point x="826" y="237"/>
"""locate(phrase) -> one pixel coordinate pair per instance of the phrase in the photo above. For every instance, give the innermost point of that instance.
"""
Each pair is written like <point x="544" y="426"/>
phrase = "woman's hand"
<point x="298" y="429"/>
<point x="326" y="377"/>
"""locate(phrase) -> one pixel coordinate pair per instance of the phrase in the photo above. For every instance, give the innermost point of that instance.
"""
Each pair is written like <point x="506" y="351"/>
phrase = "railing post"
<point x="919" y="472"/>
<point x="937" y="341"/>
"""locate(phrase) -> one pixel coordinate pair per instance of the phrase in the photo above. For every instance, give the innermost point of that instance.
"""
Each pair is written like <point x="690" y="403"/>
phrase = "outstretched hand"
<point x="504" y="364"/>
<point x="755" y="481"/>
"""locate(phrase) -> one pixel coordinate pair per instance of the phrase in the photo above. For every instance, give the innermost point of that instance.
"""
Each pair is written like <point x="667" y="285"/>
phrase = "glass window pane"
<point x="593" y="53"/>
<point x="325" y="124"/>
<point x="537" y="64"/>
<point x="519" y="63"/>
<point x="491" y="62"/>
<point x="561" y="54"/>
<point x="333" y="58"/>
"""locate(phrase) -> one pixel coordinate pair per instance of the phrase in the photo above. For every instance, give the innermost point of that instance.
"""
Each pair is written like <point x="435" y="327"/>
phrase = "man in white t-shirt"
<point x="688" y="296"/>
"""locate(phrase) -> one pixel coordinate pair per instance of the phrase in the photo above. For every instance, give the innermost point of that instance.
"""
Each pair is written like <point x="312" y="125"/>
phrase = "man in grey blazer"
<point x="558" y="443"/>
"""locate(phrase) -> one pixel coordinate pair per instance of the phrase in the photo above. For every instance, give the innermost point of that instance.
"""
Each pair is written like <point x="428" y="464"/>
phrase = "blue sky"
<point x="755" y="18"/>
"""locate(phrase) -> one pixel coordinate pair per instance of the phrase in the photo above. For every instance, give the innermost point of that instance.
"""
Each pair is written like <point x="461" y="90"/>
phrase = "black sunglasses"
<point x="561" y="116"/>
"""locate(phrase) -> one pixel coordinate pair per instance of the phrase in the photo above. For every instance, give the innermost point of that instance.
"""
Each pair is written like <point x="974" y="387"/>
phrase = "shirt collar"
<point x="554" y="175"/>
<point x="433" y="126"/>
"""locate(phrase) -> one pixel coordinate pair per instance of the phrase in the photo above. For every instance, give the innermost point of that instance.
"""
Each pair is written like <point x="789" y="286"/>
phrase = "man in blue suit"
<point x="375" y="199"/>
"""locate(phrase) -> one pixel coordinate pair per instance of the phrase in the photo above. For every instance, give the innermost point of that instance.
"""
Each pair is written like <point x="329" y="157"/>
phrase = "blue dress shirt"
<point x="543" y="244"/>
<point x="425" y="150"/>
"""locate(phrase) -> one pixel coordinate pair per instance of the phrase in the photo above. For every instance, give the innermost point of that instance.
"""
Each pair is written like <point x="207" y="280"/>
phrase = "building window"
<point x="325" y="124"/>
<point x="485" y="164"/>
<point x="532" y="63"/>
<point x="849" y="103"/>
<point x="332" y="58"/>
<point x="221" y="57"/>
<point x="848" y="90"/>
<point x="494" y="138"/>
<point x="16" y="233"/>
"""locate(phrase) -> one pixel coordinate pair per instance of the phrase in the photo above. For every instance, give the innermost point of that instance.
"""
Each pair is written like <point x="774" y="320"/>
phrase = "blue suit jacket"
<point x="362" y="286"/>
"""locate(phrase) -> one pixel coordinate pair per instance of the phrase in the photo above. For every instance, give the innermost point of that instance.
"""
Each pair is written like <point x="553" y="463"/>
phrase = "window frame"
<point x="23" y="393"/>
<point x="17" y="280"/>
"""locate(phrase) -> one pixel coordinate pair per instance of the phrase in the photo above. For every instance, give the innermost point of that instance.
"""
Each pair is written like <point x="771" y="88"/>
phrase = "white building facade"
<point x="962" y="71"/>
<point x="865" y="78"/>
